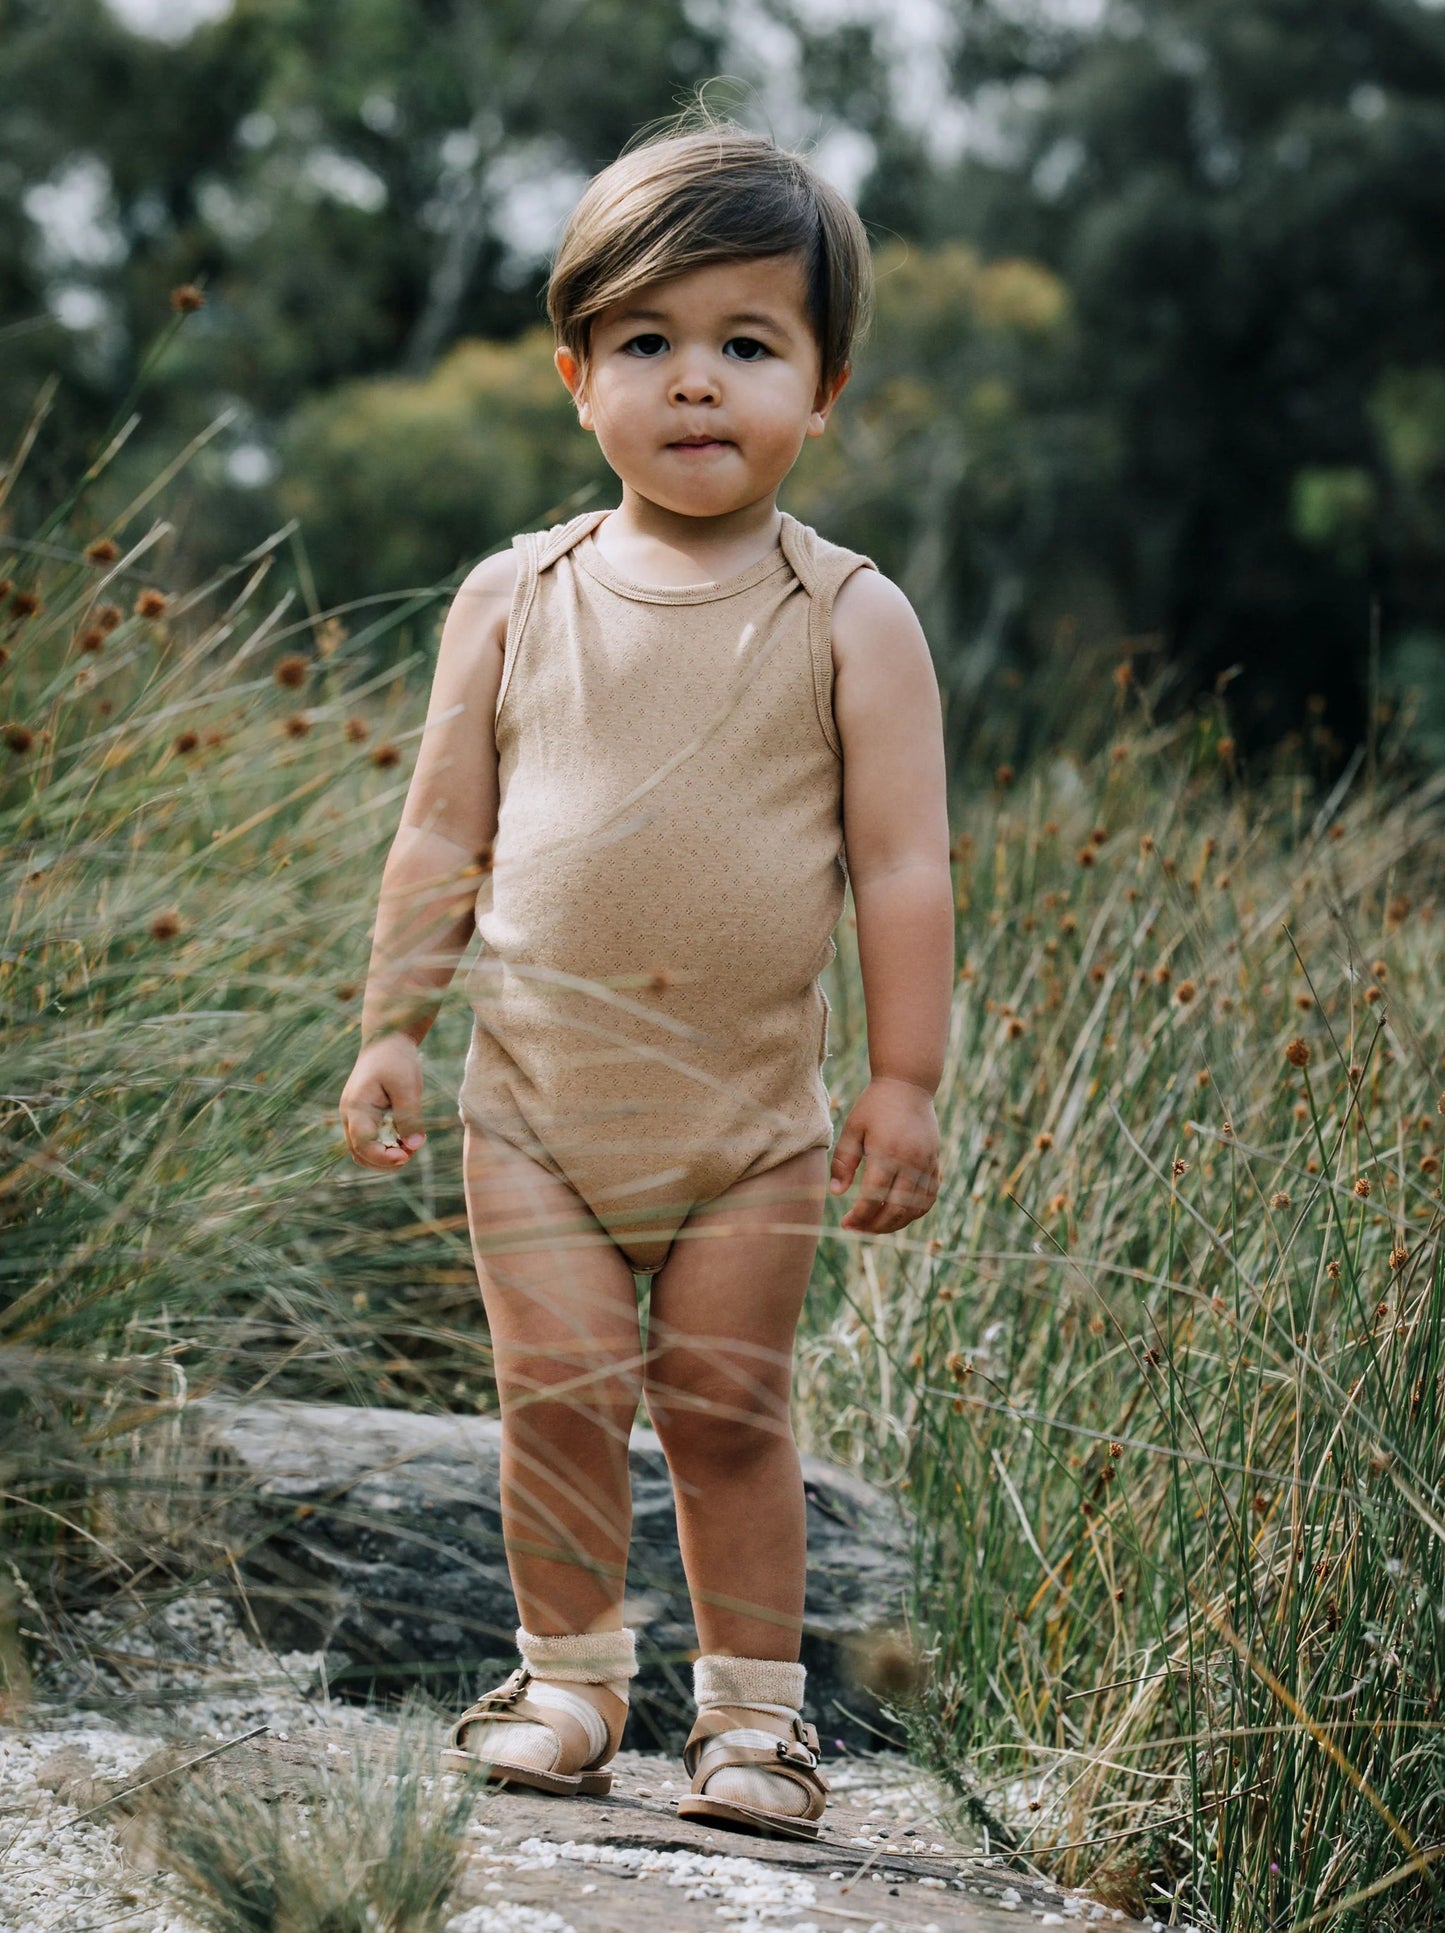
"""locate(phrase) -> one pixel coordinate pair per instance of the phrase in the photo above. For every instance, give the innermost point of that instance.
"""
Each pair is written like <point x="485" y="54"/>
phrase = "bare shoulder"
<point x="876" y="631"/>
<point x="475" y="631"/>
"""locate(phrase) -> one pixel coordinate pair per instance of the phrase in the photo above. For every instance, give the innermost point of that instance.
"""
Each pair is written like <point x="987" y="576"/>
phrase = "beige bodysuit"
<point x="667" y="874"/>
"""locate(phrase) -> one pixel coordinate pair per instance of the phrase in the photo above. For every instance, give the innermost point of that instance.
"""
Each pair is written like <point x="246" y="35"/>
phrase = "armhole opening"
<point x="821" y="639"/>
<point x="523" y="592"/>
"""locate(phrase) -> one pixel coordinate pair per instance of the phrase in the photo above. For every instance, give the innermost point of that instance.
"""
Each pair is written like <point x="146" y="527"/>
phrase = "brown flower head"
<point x="151" y="603"/>
<point x="1099" y="835"/>
<point x="1304" y="1001"/>
<point x="108" y="616"/>
<point x="1043" y="1142"/>
<point x="385" y="754"/>
<point x="1163" y="973"/>
<point x="185" y="742"/>
<point x="1356" y="1073"/>
<point x="186" y="298"/>
<point x="1429" y="1164"/>
<point x="291" y="671"/>
<point x="1185" y="992"/>
<point x="1332" y="1270"/>
<point x="25" y="603"/>
<point x="18" y="737"/>
<point x="104" y="550"/>
<point x="1181" y="1169"/>
<point x="1399" y="1257"/>
<point x="1362" y="1187"/>
<point x="1086" y="855"/>
<point x="1203" y="1077"/>
<point x="1279" y="1199"/>
<point x="1298" y="1053"/>
<point x="166" y="925"/>
<point x="297" y="725"/>
<point x="91" y="639"/>
<point x="1380" y="970"/>
<point x="1014" y="1027"/>
<point x="1372" y="996"/>
<point x="960" y="1367"/>
<point x="357" y="729"/>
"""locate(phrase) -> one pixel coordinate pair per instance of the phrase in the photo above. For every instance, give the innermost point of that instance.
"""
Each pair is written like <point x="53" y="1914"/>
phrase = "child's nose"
<point x="694" y="386"/>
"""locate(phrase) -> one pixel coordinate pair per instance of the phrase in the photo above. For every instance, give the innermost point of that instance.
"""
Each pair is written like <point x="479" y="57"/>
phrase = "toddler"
<point x="661" y="739"/>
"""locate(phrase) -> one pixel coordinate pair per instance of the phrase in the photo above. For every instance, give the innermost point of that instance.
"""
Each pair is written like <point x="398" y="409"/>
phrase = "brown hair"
<point x="714" y="192"/>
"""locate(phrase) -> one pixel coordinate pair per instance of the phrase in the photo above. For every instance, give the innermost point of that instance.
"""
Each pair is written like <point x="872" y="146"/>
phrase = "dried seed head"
<point x="1304" y="1001"/>
<point x="1181" y="1168"/>
<point x="25" y="603"/>
<point x="1069" y="923"/>
<point x="1301" y="1110"/>
<point x="91" y="639"/>
<point x="385" y="754"/>
<point x="1014" y="1027"/>
<point x="214" y="737"/>
<point x="1153" y="1358"/>
<point x="1312" y="1166"/>
<point x="1279" y="1199"/>
<point x="1332" y="1270"/>
<point x="346" y="991"/>
<point x="1372" y="995"/>
<point x="1398" y="909"/>
<point x="1058" y="1204"/>
<point x="959" y="1366"/>
<point x="1380" y="970"/>
<point x="1202" y="1078"/>
<point x="291" y="670"/>
<point x="1099" y="835"/>
<point x="1362" y="1187"/>
<point x="1163" y="973"/>
<point x="1146" y="842"/>
<point x="1185" y="992"/>
<point x="186" y="298"/>
<point x="1298" y="1053"/>
<point x="1430" y="1164"/>
<point x="1086" y="855"/>
<point x="1043" y="1141"/>
<point x="108" y="616"/>
<point x="357" y="729"/>
<point x="297" y="725"/>
<point x="1399" y="1257"/>
<point x="185" y="742"/>
<point x="166" y="925"/>
<point x="1116" y="1450"/>
<point x="151" y="603"/>
<point x="18" y="737"/>
<point x="1356" y="1073"/>
<point x="104" y="550"/>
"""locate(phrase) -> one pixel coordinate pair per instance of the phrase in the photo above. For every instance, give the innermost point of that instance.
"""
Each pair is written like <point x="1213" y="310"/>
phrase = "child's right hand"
<point x="386" y="1079"/>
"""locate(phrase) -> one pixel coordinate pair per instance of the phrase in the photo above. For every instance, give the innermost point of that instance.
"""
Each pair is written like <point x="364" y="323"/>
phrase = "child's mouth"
<point x="703" y="443"/>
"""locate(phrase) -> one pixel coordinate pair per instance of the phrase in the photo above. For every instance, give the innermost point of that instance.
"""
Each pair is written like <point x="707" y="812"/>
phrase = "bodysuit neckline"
<point x="596" y="565"/>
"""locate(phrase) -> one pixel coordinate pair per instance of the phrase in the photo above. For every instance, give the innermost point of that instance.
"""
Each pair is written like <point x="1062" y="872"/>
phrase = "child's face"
<point x="724" y="352"/>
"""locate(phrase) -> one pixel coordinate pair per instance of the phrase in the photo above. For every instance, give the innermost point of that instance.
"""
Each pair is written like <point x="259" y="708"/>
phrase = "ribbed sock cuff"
<point x="581" y="1657"/>
<point x="718" y="1679"/>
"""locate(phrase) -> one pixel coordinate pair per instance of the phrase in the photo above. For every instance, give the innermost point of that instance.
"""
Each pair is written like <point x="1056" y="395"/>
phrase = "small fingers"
<point x="878" y="1174"/>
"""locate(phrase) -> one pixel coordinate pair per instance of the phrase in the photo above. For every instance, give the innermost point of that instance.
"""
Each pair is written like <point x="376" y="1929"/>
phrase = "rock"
<point x="374" y="1535"/>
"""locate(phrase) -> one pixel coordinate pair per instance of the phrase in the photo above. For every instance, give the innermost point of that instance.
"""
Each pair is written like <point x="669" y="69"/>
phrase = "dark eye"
<point x="755" y="350"/>
<point x="649" y="344"/>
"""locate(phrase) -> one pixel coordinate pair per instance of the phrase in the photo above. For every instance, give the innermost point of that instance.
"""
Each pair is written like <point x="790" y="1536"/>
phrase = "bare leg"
<point x="562" y="1310"/>
<point x="717" y="1380"/>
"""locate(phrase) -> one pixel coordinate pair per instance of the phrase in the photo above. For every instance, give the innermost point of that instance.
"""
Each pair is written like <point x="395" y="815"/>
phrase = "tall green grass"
<point x="1159" y="1376"/>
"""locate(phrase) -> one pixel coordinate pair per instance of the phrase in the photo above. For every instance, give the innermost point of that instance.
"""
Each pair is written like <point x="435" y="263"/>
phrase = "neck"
<point x="750" y="531"/>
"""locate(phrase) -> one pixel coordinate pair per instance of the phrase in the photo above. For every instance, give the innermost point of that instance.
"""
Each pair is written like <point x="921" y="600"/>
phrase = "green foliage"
<point x="485" y="445"/>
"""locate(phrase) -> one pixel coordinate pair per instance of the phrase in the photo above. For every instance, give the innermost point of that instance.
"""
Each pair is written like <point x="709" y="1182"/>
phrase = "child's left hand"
<point x="893" y="1130"/>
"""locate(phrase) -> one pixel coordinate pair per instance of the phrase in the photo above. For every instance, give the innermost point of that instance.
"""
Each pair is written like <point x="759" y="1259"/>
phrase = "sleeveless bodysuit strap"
<point x="821" y="568"/>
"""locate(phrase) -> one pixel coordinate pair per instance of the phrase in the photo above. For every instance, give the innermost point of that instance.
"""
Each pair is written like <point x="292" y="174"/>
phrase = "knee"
<point x="714" y="1423"/>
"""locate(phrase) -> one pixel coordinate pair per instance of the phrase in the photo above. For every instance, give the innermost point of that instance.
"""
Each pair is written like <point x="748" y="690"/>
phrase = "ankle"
<point x="772" y="1685"/>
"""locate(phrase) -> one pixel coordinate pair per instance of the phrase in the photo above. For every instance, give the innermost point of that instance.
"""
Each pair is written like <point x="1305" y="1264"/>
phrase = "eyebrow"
<point x="755" y="316"/>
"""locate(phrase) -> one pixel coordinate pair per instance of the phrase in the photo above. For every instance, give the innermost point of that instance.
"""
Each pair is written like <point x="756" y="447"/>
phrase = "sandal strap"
<point x="794" y="1756"/>
<point x="509" y="1704"/>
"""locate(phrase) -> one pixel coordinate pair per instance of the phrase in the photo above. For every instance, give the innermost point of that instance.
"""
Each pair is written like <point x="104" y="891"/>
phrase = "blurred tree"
<point x="1244" y="199"/>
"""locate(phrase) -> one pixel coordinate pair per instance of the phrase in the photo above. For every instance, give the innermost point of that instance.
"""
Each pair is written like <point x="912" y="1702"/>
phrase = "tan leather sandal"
<point x="795" y="1757"/>
<point x="510" y="1704"/>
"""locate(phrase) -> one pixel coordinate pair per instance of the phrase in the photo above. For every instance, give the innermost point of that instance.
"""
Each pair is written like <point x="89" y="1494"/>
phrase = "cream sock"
<point x="761" y="1685"/>
<point x="607" y="1658"/>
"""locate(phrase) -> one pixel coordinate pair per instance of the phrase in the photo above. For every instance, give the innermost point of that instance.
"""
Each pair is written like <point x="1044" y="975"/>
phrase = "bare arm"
<point x="425" y="912"/>
<point x="895" y="825"/>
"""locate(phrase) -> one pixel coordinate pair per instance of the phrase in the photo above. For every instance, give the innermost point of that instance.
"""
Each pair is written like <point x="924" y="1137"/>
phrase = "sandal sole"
<point x="723" y="1812"/>
<point x="585" y="1784"/>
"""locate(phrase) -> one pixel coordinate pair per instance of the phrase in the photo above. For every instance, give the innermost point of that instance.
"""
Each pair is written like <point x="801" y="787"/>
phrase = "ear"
<point x="824" y="400"/>
<point x="570" y="371"/>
